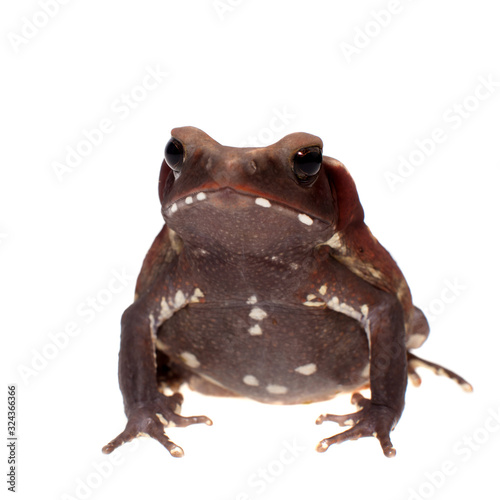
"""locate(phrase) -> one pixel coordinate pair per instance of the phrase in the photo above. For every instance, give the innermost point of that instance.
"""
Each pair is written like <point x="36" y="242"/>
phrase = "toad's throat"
<point x="229" y="223"/>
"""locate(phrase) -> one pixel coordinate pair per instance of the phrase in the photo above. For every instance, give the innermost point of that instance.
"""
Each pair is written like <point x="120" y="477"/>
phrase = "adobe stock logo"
<point x="453" y="119"/>
<point x="223" y="7"/>
<point x="371" y="29"/>
<point x="449" y="293"/>
<point x="31" y="26"/>
<point x="100" y="471"/>
<point x="463" y="450"/>
<point x="86" y="312"/>
<point x="277" y="124"/>
<point x="273" y="470"/>
<point x="121" y="108"/>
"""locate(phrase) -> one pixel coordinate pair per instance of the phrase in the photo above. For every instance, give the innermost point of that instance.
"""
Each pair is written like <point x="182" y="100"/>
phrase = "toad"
<point x="265" y="283"/>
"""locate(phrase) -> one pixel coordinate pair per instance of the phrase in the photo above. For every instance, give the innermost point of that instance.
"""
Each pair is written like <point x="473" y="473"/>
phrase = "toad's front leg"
<point x="148" y="411"/>
<point x="382" y="317"/>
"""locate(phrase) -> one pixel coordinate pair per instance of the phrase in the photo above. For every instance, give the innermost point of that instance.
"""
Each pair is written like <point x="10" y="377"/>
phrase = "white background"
<point x="230" y="71"/>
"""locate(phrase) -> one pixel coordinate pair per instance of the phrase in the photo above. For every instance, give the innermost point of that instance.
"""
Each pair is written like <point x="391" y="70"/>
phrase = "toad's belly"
<point x="270" y="353"/>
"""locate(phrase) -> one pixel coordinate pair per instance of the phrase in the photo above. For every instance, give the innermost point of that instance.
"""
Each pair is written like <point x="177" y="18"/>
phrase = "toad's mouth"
<point x="231" y="200"/>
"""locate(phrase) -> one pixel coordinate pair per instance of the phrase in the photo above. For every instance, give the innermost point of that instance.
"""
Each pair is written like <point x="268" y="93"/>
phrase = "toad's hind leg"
<point x="415" y="362"/>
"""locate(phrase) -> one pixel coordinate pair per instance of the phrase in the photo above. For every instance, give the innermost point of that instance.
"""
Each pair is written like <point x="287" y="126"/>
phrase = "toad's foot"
<point x="370" y="420"/>
<point x="149" y="419"/>
<point x="416" y="362"/>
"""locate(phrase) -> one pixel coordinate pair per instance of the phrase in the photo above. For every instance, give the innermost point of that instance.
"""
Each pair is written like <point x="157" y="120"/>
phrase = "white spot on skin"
<point x="323" y="289"/>
<point x="276" y="389"/>
<point x="308" y="369"/>
<point x="335" y="242"/>
<point x="161" y="346"/>
<point x="305" y="219"/>
<point x="402" y="290"/>
<point x="309" y="303"/>
<point x="174" y="208"/>
<point x="197" y="295"/>
<point x="201" y="196"/>
<point x="190" y="359"/>
<point x="165" y="310"/>
<point x="152" y="328"/>
<point x="175" y="241"/>
<point x="344" y="308"/>
<point x="252" y="299"/>
<point x="164" y="421"/>
<point x="335" y="304"/>
<point x="257" y="313"/>
<point x="313" y="301"/>
<point x="294" y="266"/>
<point x="262" y="202"/>
<point x="250" y="380"/>
<point x="255" y="330"/>
<point x="179" y="299"/>
<point x="189" y="200"/>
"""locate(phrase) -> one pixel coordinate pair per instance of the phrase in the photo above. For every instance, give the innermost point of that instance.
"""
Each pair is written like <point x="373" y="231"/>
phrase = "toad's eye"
<point x="174" y="154"/>
<point x="307" y="163"/>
